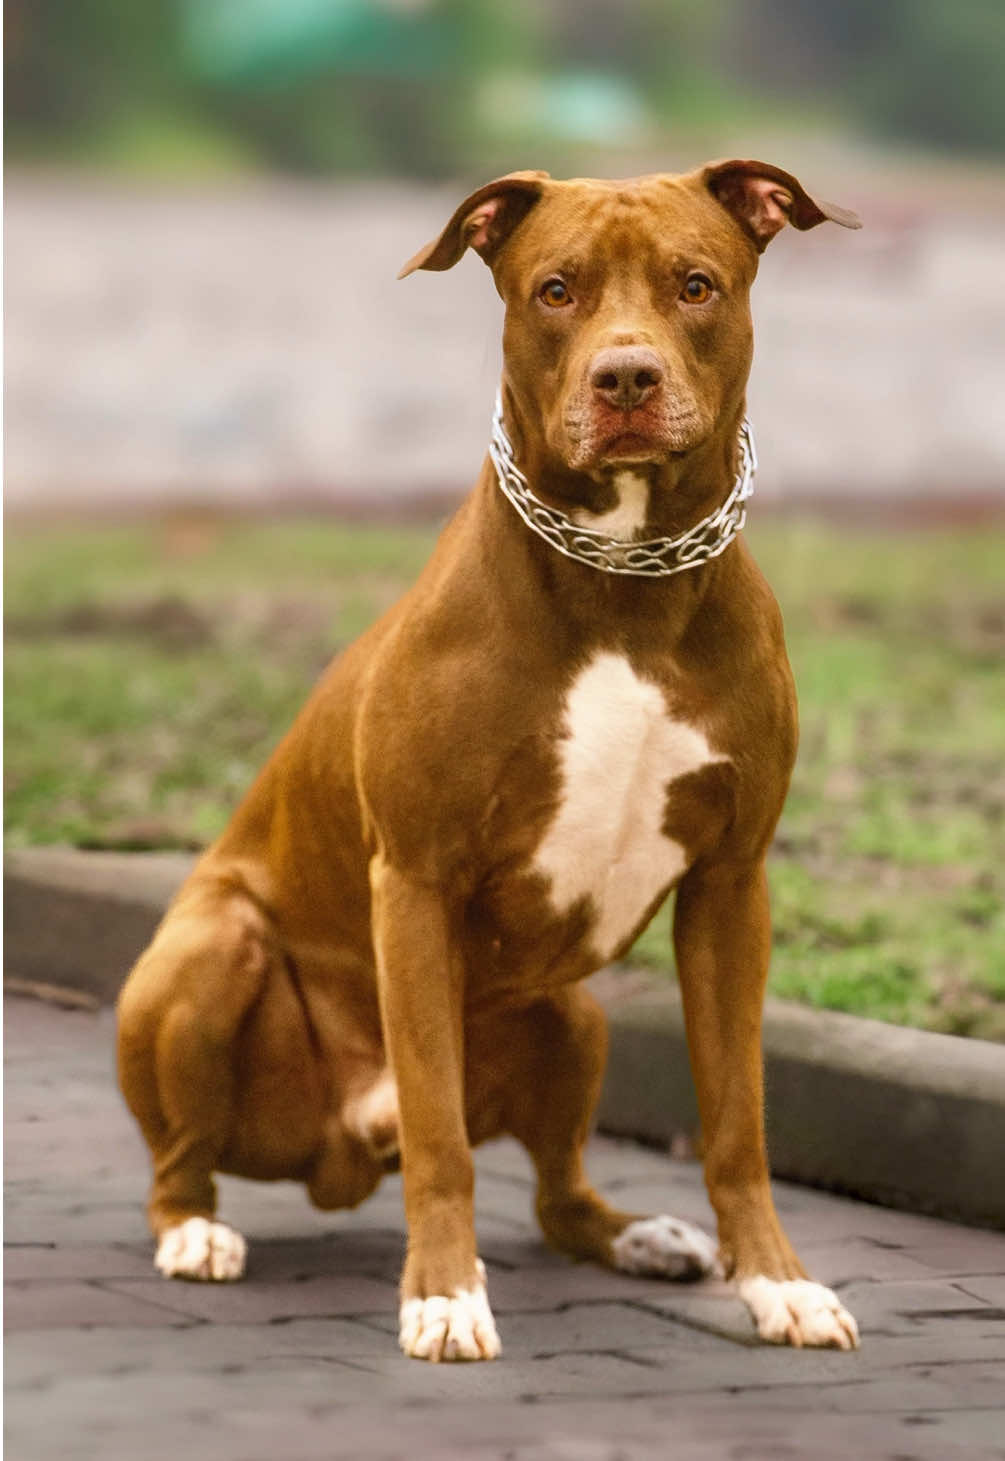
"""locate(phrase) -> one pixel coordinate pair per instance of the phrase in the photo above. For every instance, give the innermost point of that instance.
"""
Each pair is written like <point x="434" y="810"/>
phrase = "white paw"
<point x="457" y="1328"/>
<point x="798" y="1312"/>
<point x="664" y="1246"/>
<point x="198" y="1248"/>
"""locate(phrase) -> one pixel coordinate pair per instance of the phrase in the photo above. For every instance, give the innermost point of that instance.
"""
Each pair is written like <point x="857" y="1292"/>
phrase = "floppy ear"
<point x="483" y="222"/>
<point x="763" y="199"/>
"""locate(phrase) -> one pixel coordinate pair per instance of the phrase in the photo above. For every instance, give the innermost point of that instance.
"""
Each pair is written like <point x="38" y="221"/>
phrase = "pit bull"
<point x="583" y="704"/>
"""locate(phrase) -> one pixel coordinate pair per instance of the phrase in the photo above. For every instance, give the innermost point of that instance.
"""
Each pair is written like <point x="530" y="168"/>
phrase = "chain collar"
<point x="655" y="558"/>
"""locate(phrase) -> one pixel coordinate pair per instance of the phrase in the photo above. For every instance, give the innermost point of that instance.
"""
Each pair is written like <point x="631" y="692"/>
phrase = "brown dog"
<point x="582" y="704"/>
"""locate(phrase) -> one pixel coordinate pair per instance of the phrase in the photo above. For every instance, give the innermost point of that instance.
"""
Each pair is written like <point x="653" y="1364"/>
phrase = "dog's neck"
<point x="655" y="505"/>
<point x="572" y="605"/>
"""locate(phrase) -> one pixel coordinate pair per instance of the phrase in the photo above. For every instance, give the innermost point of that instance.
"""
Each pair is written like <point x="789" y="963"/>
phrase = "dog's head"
<point x="628" y="332"/>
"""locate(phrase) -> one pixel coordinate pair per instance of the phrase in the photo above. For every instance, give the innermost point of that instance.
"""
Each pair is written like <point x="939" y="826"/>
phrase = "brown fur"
<point x="372" y="902"/>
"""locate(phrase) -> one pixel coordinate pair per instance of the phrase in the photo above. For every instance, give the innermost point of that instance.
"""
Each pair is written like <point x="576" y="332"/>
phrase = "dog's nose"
<point x="626" y="376"/>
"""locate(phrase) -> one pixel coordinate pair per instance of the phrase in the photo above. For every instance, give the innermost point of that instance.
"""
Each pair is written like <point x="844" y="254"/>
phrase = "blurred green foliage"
<point x="430" y="87"/>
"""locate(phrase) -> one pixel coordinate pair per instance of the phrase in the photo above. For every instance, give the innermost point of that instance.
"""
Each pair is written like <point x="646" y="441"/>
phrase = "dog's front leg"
<point x="722" y="937"/>
<point x="444" y="1308"/>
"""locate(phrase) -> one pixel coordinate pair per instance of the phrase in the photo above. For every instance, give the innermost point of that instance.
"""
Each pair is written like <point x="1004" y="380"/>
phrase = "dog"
<point x="583" y="704"/>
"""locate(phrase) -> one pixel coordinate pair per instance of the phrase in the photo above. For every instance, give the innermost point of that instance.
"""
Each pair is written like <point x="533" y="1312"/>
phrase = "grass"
<point x="150" y="669"/>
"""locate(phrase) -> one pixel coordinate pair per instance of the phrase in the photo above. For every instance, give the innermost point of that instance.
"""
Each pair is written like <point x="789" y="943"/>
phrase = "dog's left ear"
<point x="483" y="222"/>
<point x="763" y="199"/>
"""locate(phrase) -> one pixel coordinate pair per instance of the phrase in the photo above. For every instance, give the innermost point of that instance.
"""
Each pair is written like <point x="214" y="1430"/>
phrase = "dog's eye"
<point x="697" y="289"/>
<point x="553" y="292"/>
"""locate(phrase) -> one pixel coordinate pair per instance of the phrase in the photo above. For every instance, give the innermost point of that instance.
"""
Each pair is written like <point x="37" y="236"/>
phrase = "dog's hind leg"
<point x="550" y="1104"/>
<point x="360" y="1143"/>
<point x="178" y="1017"/>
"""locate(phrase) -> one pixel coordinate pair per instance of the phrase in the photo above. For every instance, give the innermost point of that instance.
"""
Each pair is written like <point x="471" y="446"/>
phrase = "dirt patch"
<point x="168" y="622"/>
<point x="175" y="624"/>
<point x="975" y="628"/>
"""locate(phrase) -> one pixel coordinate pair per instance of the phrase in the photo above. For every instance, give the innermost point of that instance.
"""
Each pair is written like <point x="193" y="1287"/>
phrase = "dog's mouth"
<point x="630" y="446"/>
<point x="651" y="435"/>
<point x="620" y="438"/>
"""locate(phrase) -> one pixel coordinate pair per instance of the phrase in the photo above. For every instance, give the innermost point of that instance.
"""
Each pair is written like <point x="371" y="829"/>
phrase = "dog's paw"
<point x="457" y="1328"/>
<point x="664" y="1247"/>
<point x="798" y="1312"/>
<point x="200" y="1249"/>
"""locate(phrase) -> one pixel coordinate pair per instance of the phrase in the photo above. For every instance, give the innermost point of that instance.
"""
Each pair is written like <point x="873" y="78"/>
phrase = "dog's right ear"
<point x="483" y="222"/>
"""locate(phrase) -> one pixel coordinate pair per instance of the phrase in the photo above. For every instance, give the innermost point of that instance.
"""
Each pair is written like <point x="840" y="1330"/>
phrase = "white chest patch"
<point x="619" y="752"/>
<point x="627" y="518"/>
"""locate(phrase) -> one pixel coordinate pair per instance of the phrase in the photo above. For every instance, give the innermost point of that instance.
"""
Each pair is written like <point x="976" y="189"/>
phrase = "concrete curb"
<point x="903" y="1117"/>
<point x="81" y="919"/>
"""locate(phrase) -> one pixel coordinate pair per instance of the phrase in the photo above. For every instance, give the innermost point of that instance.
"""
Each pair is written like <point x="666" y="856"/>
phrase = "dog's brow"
<point x="679" y="260"/>
<point x="569" y="266"/>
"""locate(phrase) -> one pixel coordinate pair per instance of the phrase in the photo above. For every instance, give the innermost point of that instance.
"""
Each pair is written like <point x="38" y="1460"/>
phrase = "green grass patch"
<point x="151" y="668"/>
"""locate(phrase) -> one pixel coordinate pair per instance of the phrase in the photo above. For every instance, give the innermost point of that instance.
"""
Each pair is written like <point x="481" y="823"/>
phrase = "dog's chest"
<point x="619" y="752"/>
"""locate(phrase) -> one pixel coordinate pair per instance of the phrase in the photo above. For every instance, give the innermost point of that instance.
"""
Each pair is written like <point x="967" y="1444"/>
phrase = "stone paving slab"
<point x="83" y="1261"/>
<point x="38" y="1304"/>
<point x="300" y="1361"/>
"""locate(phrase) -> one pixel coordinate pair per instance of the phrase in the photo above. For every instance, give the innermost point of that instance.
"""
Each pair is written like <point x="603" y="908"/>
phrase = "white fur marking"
<point x="627" y="518"/>
<point x="373" y="1116"/>
<point x="456" y="1328"/>
<point x="798" y="1312"/>
<point x="664" y="1246"/>
<point x="200" y="1249"/>
<point x="619" y="753"/>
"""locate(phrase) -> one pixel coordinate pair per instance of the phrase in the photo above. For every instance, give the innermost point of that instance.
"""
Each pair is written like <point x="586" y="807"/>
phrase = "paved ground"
<point x="247" y="343"/>
<point x="105" y="1359"/>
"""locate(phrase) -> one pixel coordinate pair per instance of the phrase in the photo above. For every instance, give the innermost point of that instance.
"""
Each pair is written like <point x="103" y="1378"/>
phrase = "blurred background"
<point x="208" y="201"/>
<point x="230" y="432"/>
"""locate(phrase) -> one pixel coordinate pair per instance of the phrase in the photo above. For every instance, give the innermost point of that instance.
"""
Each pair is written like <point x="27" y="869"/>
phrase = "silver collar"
<point x="655" y="558"/>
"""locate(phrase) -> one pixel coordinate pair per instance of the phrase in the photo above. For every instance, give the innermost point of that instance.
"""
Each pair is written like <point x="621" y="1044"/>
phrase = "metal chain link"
<point x="654" y="558"/>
